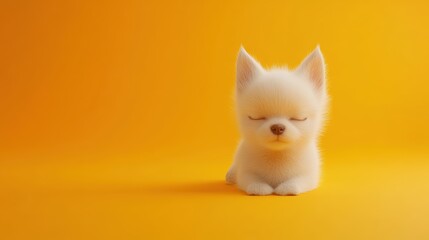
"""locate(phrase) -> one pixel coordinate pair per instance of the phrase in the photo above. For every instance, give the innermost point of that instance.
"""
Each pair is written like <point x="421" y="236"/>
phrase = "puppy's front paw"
<point x="288" y="188"/>
<point x="230" y="177"/>
<point x="259" y="189"/>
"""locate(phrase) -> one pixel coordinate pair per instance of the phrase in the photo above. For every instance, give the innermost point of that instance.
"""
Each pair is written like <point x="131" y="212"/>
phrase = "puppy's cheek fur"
<point x="292" y="133"/>
<point x="264" y="135"/>
<point x="307" y="129"/>
<point x="250" y="130"/>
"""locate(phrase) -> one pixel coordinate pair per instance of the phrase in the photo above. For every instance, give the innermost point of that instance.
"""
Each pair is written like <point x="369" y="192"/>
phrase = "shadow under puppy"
<point x="280" y="114"/>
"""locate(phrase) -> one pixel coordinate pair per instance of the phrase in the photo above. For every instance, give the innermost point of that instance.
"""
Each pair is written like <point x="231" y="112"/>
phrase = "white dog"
<point x="280" y="114"/>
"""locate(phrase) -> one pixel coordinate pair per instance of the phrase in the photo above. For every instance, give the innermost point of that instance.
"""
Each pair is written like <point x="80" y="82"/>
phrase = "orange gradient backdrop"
<point x="117" y="118"/>
<point x="141" y="75"/>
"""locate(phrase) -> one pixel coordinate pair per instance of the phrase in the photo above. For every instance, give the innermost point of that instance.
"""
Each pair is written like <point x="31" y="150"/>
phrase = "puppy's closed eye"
<point x="298" y="119"/>
<point x="258" y="118"/>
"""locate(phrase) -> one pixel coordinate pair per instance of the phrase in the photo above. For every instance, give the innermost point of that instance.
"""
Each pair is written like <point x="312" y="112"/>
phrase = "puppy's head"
<point x="278" y="108"/>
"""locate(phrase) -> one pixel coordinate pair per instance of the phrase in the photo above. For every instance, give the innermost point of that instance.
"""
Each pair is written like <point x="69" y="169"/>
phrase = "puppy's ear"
<point x="314" y="67"/>
<point x="247" y="69"/>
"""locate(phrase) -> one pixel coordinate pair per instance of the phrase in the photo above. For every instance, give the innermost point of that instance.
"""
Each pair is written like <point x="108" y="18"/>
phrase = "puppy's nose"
<point x="278" y="129"/>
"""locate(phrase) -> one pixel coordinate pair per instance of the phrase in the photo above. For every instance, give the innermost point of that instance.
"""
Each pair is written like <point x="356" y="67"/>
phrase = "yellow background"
<point x="116" y="119"/>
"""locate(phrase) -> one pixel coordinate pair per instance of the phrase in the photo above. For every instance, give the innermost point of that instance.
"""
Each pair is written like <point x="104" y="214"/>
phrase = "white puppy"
<point x="280" y="114"/>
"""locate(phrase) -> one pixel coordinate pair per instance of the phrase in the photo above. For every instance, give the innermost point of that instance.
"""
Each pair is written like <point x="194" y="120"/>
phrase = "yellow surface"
<point x="116" y="119"/>
<point x="373" y="196"/>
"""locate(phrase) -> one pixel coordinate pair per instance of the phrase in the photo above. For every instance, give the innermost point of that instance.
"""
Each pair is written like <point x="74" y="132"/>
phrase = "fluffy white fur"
<point x="287" y="163"/>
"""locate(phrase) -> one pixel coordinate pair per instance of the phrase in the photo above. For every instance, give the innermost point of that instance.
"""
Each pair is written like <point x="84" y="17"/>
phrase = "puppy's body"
<point x="280" y="114"/>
